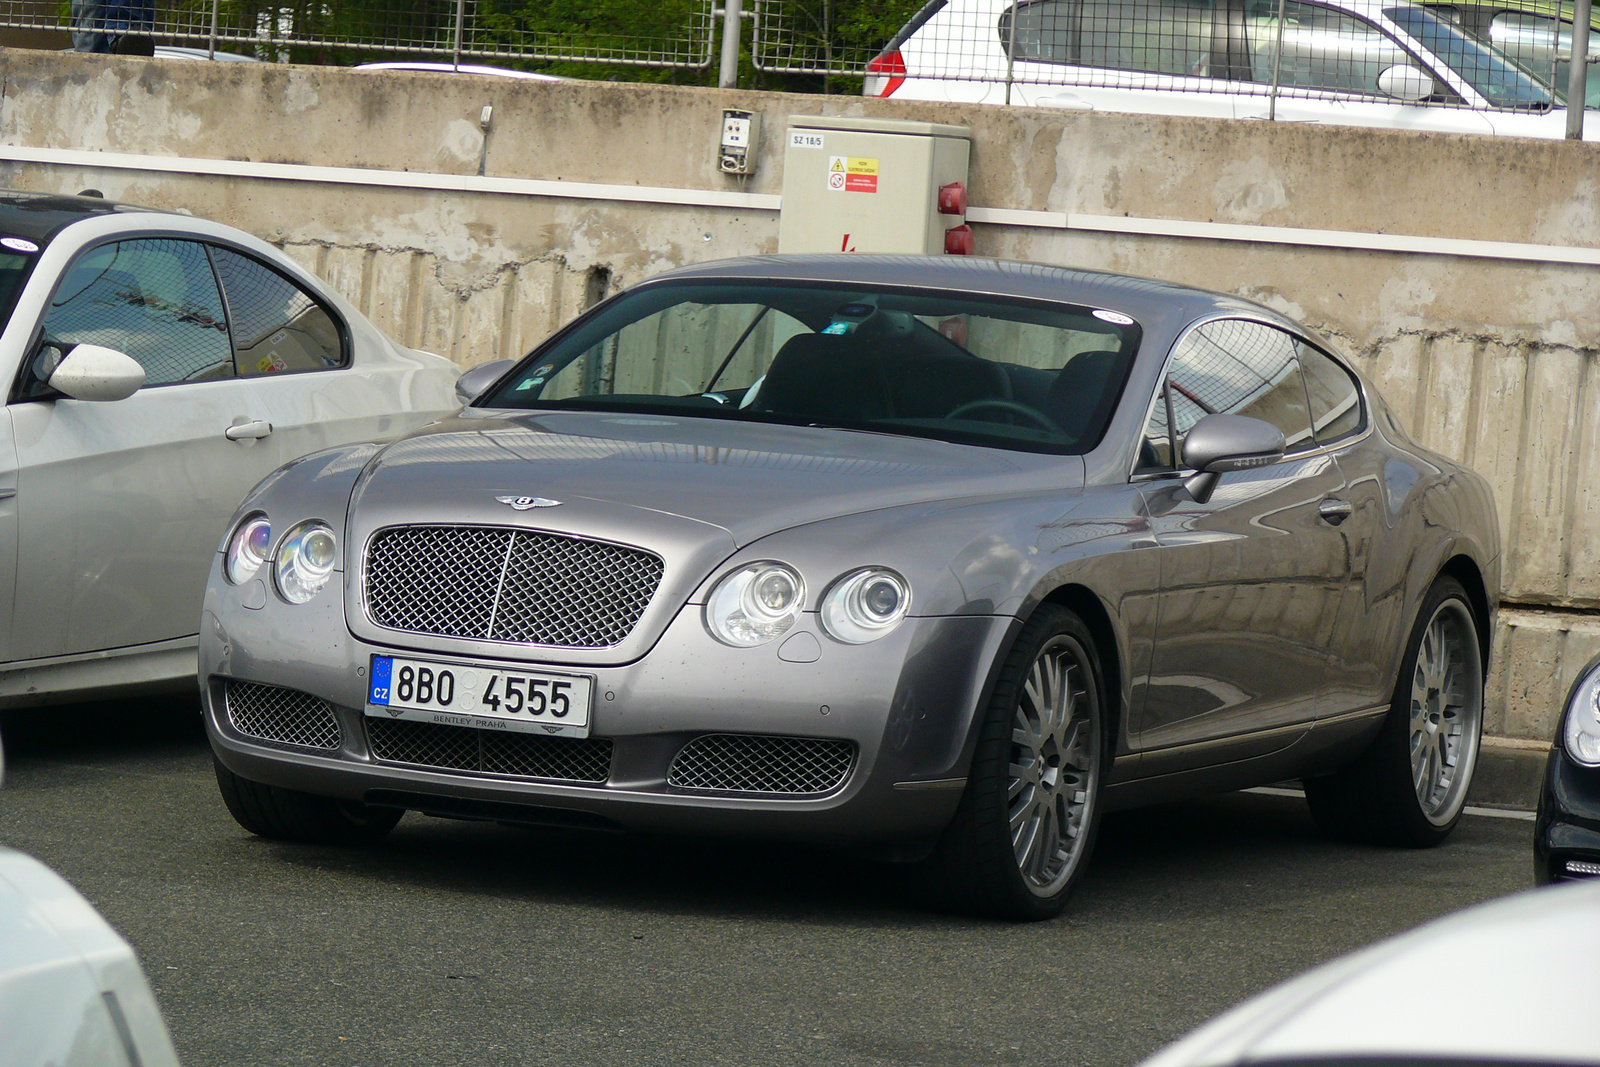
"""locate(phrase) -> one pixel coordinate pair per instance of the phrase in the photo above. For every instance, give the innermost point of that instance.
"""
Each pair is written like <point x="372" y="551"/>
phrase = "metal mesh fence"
<point x="1027" y="51"/>
<point x="666" y="33"/>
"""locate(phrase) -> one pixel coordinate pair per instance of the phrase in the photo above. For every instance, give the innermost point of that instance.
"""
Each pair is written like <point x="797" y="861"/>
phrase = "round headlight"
<point x="247" y="549"/>
<point x="1582" y="732"/>
<point x="305" y="560"/>
<point x="754" y="604"/>
<point x="864" y="605"/>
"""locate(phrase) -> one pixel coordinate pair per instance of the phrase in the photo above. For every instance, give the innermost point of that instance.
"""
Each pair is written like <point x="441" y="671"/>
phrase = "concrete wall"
<point x="1490" y="361"/>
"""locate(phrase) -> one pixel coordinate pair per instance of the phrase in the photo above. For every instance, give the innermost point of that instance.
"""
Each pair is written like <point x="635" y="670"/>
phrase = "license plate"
<point x="489" y="698"/>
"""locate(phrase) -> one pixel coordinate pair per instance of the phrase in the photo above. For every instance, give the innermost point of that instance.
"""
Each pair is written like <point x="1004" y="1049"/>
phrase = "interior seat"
<point x="1082" y="396"/>
<point x="828" y="378"/>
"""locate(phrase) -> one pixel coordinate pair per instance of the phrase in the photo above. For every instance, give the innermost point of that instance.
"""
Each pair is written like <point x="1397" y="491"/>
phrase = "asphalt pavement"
<point x="466" y="943"/>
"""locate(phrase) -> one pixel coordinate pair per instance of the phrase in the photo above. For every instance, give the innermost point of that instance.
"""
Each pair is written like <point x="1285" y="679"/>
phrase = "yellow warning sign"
<point x="862" y="166"/>
<point x="852" y="174"/>
<point x="836" y="163"/>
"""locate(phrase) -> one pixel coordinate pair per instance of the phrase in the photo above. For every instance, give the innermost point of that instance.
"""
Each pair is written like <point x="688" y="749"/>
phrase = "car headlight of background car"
<point x="1582" y="731"/>
<point x="864" y="605"/>
<point x="248" y="549"/>
<point x="305" y="560"/>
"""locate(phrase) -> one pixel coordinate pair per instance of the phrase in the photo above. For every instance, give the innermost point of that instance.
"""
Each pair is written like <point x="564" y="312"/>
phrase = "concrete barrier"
<point x="1459" y="272"/>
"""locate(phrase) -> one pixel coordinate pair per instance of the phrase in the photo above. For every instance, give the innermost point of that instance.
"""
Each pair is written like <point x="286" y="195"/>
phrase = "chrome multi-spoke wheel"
<point x="1025" y="826"/>
<point x="1446" y="711"/>
<point x="1054" y="767"/>
<point x="1410" y="785"/>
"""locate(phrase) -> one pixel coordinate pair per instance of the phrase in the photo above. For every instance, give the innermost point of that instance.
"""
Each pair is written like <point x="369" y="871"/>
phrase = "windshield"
<point x="954" y="367"/>
<point x="14" y="271"/>
<point x="1499" y="80"/>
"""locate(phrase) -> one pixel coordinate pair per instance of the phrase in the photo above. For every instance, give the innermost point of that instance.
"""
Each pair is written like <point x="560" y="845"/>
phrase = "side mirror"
<point x="1405" y="82"/>
<point x="94" y="372"/>
<point x="475" y="382"/>
<point x="1218" y="444"/>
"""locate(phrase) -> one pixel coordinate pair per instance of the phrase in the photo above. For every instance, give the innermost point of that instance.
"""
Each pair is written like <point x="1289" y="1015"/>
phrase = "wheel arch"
<point x="1465" y="570"/>
<point x="1088" y="606"/>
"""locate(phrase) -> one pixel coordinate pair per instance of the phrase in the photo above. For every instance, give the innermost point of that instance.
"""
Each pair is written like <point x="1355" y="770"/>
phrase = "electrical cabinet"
<point x="874" y="185"/>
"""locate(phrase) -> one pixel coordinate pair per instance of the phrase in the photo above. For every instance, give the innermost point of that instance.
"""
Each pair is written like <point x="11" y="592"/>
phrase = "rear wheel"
<point x="1410" y="786"/>
<point x="290" y="815"/>
<point x="1026" y="823"/>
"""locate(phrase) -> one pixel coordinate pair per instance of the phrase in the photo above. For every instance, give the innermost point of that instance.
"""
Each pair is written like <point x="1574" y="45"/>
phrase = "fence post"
<point x="211" y="53"/>
<point x="1011" y="48"/>
<point x="1578" y="73"/>
<point x="1277" y="60"/>
<point x="728" y="76"/>
<point x="461" y="7"/>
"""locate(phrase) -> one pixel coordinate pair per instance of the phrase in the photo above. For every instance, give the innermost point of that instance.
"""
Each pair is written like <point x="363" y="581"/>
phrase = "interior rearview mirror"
<point x="475" y="382"/>
<point x="1405" y="82"/>
<point x="94" y="372"/>
<point x="1218" y="444"/>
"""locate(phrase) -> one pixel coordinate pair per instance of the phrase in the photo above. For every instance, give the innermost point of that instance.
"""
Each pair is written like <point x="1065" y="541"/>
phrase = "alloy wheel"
<point x="1446" y="711"/>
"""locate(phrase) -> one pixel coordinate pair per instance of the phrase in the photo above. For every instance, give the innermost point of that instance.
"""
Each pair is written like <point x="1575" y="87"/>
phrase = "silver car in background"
<point x="158" y="366"/>
<point x="938" y="557"/>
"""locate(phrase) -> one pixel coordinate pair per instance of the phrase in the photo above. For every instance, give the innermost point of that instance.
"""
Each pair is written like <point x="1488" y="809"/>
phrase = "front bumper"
<point x="905" y="702"/>
<point x="1566" y="839"/>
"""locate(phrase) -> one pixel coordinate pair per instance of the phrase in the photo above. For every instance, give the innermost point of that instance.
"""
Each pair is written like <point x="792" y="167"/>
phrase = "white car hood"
<point x="1512" y="980"/>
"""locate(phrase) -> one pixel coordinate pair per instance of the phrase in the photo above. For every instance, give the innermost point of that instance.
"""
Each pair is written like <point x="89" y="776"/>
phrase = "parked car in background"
<point x="1537" y="34"/>
<point x="157" y="367"/>
<point x="1343" y="62"/>
<point x="935" y="556"/>
<point x="461" y="68"/>
<point x="172" y="51"/>
<point x="1532" y="955"/>
<point x="1566" y="837"/>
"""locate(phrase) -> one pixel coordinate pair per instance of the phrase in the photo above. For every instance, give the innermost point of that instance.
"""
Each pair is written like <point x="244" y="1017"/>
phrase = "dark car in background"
<point x="1566" y="840"/>
<point x="940" y="558"/>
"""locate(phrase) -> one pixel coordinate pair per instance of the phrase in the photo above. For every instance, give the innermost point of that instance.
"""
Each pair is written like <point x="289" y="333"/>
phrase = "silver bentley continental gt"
<point x="939" y="558"/>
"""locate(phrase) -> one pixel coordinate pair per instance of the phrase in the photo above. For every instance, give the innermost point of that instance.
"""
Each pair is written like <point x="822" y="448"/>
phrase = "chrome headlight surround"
<point x="757" y="603"/>
<point x="249" y="549"/>
<point x="305" y="561"/>
<point x="864" y="605"/>
<point x="1580" y="732"/>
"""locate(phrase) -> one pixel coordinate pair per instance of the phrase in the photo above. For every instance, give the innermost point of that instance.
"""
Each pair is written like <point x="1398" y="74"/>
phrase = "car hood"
<point x="747" y="479"/>
<point x="691" y="491"/>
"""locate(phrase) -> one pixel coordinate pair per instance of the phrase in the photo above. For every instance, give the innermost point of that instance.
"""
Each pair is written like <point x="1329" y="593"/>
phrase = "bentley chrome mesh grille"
<point x="464" y="748"/>
<point x="751" y="763"/>
<point x="493" y="584"/>
<point x="283" y="716"/>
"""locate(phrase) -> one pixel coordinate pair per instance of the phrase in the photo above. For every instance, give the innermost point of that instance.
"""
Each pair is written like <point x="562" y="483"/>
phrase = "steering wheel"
<point x="1033" y="415"/>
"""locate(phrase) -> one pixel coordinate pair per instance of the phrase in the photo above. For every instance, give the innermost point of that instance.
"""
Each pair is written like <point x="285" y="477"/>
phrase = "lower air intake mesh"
<point x="283" y="716"/>
<point x="753" y="763"/>
<point x="466" y="749"/>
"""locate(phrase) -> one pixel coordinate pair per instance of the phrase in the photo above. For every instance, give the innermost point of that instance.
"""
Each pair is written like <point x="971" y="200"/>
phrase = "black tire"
<point x="1386" y="796"/>
<point x="290" y="815"/>
<point x="975" y="867"/>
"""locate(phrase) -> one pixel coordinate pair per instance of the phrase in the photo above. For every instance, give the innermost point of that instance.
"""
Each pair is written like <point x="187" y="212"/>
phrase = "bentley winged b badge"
<point x="524" y="503"/>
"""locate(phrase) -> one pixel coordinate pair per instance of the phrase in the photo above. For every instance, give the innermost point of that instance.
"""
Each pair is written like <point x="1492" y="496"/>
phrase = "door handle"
<point x="248" y="431"/>
<point x="1333" y="511"/>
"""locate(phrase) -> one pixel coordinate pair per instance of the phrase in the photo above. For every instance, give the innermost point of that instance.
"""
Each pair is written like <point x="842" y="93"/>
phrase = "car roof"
<point x="39" y="217"/>
<point x="1547" y="8"/>
<point x="462" y="68"/>
<point x="1147" y="300"/>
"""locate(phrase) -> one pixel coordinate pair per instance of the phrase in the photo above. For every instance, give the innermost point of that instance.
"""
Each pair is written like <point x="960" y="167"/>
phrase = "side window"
<point x="278" y="327"/>
<point x="1322" y="48"/>
<point x="1335" y="396"/>
<point x="1541" y="45"/>
<point x="155" y="299"/>
<point x="1229" y="367"/>
<point x="1154" y="36"/>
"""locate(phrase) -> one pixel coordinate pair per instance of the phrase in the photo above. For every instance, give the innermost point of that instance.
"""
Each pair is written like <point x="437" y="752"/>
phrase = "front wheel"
<point x="1026" y="823"/>
<point x="290" y="815"/>
<point x="1410" y="786"/>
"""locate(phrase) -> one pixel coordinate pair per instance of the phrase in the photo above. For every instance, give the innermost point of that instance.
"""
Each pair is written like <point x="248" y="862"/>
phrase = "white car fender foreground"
<point x="71" y="991"/>
<point x="1510" y="981"/>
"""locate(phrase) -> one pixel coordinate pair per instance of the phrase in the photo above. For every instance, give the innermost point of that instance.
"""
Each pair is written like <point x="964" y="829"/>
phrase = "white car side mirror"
<point x="94" y="372"/>
<point x="1404" y="82"/>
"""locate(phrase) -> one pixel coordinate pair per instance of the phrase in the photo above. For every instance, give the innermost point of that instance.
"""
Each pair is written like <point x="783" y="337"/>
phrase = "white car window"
<point x="1541" y="46"/>
<point x="277" y="326"/>
<point x="153" y="298"/>
<point x="1154" y="36"/>
<point x="1322" y="48"/>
